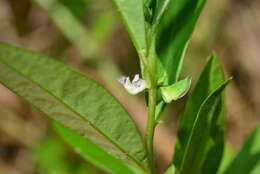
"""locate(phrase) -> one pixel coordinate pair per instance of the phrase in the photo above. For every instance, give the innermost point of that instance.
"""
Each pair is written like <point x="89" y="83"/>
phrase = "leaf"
<point x="248" y="159"/>
<point x="170" y="170"/>
<point x="51" y="148"/>
<point x="160" y="10"/>
<point x="227" y="157"/>
<point x="133" y="16"/>
<point x="176" y="90"/>
<point x="177" y="20"/>
<point x="205" y="137"/>
<point x="91" y="152"/>
<point x="86" y="170"/>
<point x="209" y="81"/>
<point x="149" y="9"/>
<point x="62" y="160"/>
<point x="175" y="30"/>
<point x="74" y="100"/>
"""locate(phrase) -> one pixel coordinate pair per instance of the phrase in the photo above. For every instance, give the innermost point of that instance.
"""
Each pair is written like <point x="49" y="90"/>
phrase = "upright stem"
<point x="152" y="92"/>
<point x="151" y="127"/>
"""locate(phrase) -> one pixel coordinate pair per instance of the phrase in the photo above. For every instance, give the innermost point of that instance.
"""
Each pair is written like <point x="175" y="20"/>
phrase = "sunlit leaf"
<point x="170" y="170"/>
<point x="205" y="112"/>
<point x="228" y="156"/>
<point x="62" y="160"/>
<point x="91" y="152"/>
<point x="51" y="148"/>
<point x="175" y="31"/>
<point x="248" y="159"/>
<point x="73" y="100"/>
<point x="86" y="170"/>
<point x="133" y="16"/>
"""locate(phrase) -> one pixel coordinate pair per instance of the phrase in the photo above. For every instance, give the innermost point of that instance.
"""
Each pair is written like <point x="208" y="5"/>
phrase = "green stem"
<point x="152" y="94"/>
<point x="151" y="128"/>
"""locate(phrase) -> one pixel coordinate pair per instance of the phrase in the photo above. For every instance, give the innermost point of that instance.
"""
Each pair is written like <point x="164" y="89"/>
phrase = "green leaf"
<point x="176" y="90"/>
<point x="175" y="30"/>
<point x="248" y="159"/>
<point x="91" y="152"/>
<point x="62" y="160"/>
<point x="210" y="80"/>
<point x="227" y="158"/>
<point x="170" y="170"/>
<point x="161" y="8"/>
<point x="149" y="8"/>
<point x="205" y="137"/>
<point x="51" y="148"/>
<point x="86" y="170"/>
<point x="74" y="100"/>
<point x="133" y="16"/>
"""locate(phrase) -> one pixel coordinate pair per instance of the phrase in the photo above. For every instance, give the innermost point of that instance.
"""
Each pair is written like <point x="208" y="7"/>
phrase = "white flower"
<point x="137" y="85"/>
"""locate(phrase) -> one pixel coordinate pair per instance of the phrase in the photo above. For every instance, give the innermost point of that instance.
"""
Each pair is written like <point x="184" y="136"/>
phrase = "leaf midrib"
<point x="72" y="110"/>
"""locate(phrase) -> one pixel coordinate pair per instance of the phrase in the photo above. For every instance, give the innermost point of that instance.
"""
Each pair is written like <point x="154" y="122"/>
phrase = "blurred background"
<point x="89" y="36"/>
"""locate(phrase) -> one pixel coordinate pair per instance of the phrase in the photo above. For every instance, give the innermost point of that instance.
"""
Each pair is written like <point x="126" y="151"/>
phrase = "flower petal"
<point x="136" y="86"/>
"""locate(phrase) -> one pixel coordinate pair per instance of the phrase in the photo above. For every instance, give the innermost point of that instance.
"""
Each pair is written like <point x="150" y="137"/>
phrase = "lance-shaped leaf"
<point x="170" y="170"/>
<point x="162" y="6"/>
<point x="133" y="15"/>
<point x="248" y="159"/>
<point x="227" y="157"/>
<point x="74" y="100"/>
<point x="210" y="79"/>
<point x="175" y="30"/>
<point x="204" y="139"/>
<point x="91" y="152"/>
<point x="51" y="148"/>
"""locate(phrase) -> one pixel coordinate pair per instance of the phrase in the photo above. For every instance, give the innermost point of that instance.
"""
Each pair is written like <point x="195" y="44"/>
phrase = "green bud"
<point x="176" y="90"/>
